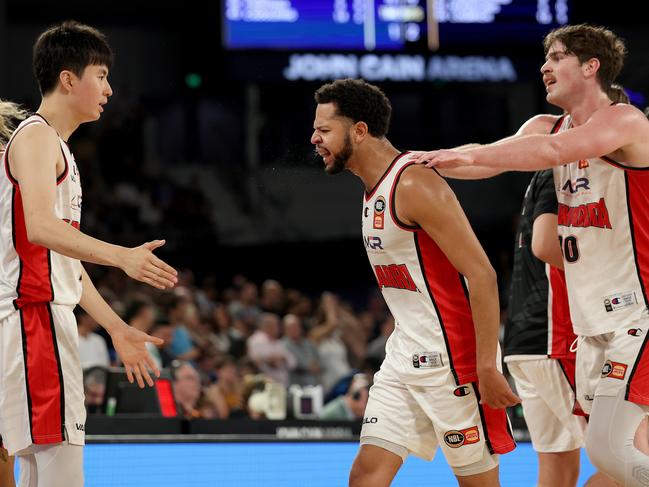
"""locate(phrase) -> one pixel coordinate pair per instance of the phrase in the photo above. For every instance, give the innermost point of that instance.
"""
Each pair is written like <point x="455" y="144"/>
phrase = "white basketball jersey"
<point x="31" y="273"/>
<point x="434" y="332"/>
<point x="604" y="234"/>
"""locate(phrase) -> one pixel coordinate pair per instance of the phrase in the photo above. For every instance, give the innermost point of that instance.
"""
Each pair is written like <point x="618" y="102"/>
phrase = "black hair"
<point x="359" y="101"/>
<point x="68" y="46"/>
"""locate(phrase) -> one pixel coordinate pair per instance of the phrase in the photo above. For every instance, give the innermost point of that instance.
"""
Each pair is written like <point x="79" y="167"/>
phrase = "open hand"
<point x="444" y="159"/>
<point x="130" y="345"/>
<point x="140" y="264"/>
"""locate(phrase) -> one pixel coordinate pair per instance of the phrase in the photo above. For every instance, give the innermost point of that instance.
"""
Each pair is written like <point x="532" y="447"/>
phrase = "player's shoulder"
<point x="422" y="183"/>
<point x="35" y="133"/>
<point x="622" y="112"/>
<point x="540" y="124"/>
<point x="414" y="175"/>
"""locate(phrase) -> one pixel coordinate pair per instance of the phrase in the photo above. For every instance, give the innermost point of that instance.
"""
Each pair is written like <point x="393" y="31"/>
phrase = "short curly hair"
<point x="359" y="101"/>
<point x="589" y="41"/>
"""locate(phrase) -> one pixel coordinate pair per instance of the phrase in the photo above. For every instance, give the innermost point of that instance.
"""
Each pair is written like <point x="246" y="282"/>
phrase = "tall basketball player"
<point x="42" y="414"/>
<point x="440" y="383"/>
<point x="600" y="153"/>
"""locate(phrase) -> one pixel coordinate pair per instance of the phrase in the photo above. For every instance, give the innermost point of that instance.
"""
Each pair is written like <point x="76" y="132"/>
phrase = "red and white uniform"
<point x="431" y="352"/>
<point x="604" y="232"/>
<point x="434" y="332"/>
<point x="41" y="386"/>
<point x="603" y="224"/>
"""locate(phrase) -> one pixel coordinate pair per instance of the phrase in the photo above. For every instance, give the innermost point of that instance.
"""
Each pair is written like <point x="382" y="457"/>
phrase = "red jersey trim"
<point x="619" y="165"/>
<point x="557" y="124"/>
<point x="34" y="283"/>
<point x="451" y="305"/>
<point x="561" y="327"/>
<point x="13" y="180"/>
<point x="369" y="194"/>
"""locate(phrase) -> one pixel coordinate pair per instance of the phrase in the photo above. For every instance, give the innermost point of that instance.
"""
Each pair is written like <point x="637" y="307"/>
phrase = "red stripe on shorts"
<point x="43" y="375"/>
<point x="498" y="434"/>
<point x="637" y="185"/>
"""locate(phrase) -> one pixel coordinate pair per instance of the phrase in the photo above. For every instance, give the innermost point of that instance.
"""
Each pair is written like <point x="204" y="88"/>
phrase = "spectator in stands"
<point x="336" y="334"/>
<point x="187" y="389"/>
<point x="161" y="355"/>
<point x="352" y="404"/>
<point x="182" y="346"/>
<point x="92" y="347"/>
<point x="230" y="385"/>
<point x="245" y="307"/>
<point x="206" y="365"/>
<point x="222" y="328"/>
<point x="307" y="369"/>
<point x="273" y="297"/>
<point x="269" y="352"/>
<point x="376" y="348"/>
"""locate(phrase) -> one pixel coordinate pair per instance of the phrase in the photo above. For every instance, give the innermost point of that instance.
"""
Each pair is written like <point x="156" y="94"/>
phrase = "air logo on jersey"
<point x="635" y="332"/>
<point x="458" y="438"/>
<point x="586" y="215"/>
<point x="580" y="183"/>
<point x="379" y="213"/>
<point x="614" y="370"/>
<point x="395" y="276"/>
<point x="373" y="243"/>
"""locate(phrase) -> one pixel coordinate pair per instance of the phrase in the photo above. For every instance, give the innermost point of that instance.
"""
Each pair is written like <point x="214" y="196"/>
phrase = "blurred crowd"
<point x="223" y="346"/>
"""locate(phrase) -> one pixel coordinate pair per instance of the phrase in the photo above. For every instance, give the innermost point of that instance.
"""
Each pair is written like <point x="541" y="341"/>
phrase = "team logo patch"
<point x="635" y="332"/>
<point x="583" y="164"/>
<point x="614" y="370"/>
<point x="458" y="438"/>
<point x="462" y="391"/>
<point x="379" y="212"/>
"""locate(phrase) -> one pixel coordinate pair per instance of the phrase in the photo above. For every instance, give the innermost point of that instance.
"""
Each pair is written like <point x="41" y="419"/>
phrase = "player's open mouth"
<point x="324" y="153"/>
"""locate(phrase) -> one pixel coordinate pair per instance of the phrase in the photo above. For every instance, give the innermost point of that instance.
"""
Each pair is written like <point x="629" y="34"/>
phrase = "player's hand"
<point x="494" y="390"/>
<point x="130" y="345"/>
<point x="140" y="264"/>
<point x="445" y="159"/>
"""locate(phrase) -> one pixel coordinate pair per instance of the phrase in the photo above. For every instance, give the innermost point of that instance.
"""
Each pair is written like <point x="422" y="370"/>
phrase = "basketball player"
<point x="600" y="151"/>
<point x="440" y="383"/>
<point x="8" y="113"/>
<point x="42" y="414"/>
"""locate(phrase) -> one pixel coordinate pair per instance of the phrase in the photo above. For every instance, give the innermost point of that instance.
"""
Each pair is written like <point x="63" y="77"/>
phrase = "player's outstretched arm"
<point x="128" y="341"/>
<point x="608" y="130"/>
<point x="425" y="199"/>
<point x="35" y="155"/>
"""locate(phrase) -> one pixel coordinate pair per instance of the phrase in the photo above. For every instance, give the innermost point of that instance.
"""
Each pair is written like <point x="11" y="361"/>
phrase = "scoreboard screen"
<point x="386" y="25"/>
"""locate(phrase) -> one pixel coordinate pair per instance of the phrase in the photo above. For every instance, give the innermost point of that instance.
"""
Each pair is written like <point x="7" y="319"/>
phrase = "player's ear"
<point x="591" y="66"/>
<point x="359" y="131"/>
<point x="67" y="79"/>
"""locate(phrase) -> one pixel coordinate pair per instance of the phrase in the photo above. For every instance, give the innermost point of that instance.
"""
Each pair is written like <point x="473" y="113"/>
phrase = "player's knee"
<point x="362" y="471"/>
<point x="597" y="448"/>
<point x="373" y="467"/>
